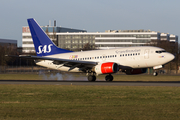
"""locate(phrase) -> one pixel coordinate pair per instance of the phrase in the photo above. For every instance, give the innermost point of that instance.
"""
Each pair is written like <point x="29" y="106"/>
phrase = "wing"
<point x="83" y="65"/>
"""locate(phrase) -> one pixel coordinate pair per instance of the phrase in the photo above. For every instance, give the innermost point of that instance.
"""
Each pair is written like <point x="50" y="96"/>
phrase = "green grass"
<point x="31" y="102"/>
<point x="77" y="76"/>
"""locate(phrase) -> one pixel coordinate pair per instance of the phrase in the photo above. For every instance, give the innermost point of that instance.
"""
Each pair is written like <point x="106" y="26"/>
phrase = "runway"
<point x="97" y="83"/>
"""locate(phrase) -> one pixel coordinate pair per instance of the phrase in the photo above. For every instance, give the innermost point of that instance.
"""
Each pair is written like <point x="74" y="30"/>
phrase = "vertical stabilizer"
<point x="42" y="43"/>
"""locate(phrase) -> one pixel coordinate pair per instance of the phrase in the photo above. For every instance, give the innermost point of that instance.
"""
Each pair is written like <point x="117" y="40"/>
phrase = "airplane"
<point x="131" y="60"/>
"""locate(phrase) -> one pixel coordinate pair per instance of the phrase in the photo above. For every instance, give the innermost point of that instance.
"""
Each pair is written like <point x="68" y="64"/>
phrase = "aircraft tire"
<point x="91" y="78"/>
<point x="155" y="73"/>
<point x="109" y="78"/>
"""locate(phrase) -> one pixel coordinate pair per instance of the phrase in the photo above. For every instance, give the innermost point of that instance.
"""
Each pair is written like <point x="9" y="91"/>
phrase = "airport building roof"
<point x="8" y="41"/>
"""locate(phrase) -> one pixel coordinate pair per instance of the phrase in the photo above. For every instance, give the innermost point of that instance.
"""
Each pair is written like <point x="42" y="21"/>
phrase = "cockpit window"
<point x="160" y="51"/>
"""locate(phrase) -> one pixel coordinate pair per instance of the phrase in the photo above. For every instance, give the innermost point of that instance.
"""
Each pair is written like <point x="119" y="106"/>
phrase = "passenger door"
<point x="146" y="54"/>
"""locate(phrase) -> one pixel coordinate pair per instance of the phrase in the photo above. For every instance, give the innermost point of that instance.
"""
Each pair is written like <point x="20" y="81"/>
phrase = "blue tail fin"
<point x="42" y="43"/>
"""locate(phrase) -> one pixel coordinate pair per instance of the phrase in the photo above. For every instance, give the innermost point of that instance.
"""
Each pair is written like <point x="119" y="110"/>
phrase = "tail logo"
<point x="43" y="49"/>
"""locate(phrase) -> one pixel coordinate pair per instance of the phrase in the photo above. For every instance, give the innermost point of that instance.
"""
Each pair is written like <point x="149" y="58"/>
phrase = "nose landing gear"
<point x="155" y="73"/>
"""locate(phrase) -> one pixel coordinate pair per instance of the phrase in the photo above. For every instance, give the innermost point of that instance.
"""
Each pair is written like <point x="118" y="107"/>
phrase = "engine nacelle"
<point x="136" y="71"/>
<point x="106" y="68"/>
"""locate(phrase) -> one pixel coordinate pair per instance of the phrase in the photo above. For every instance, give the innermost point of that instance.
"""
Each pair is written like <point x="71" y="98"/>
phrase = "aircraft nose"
<point x="171" y="57"/>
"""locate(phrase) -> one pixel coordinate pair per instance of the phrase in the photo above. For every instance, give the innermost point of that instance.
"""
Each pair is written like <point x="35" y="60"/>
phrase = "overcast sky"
<point x="91" y="15"/>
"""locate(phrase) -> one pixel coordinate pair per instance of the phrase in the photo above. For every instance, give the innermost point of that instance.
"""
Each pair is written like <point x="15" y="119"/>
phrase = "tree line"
<point x="13" y="61"/>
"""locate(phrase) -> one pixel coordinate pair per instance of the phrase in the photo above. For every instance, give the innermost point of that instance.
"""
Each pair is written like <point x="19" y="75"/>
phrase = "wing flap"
<point x="63" y="62"/>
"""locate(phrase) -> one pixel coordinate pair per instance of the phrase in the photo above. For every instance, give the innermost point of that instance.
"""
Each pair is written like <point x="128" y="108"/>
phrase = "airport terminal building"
<point x="74" y="39"/>
<point x="51" y="31"/>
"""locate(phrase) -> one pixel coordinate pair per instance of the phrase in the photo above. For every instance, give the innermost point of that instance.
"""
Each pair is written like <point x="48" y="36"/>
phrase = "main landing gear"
<point x="92" y="78"/>
<point x="109" y="77"/>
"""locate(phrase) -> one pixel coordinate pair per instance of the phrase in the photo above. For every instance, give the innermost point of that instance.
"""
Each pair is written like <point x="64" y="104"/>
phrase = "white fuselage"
<point x="128" y="57"/>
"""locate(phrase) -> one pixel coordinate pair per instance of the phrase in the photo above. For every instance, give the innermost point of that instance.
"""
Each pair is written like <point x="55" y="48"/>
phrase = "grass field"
<point x="19" y="102"/>
<point x="72" y="76"/>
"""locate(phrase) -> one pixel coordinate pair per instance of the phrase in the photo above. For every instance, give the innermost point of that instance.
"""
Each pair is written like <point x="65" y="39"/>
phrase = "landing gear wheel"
<point x="155" y="73"/>
<point x="109" y="77"/>
<point x="91" y="78"/>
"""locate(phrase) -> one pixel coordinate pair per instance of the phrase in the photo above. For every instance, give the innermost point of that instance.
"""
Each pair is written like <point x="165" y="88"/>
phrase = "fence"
<point x="25" y="69"/>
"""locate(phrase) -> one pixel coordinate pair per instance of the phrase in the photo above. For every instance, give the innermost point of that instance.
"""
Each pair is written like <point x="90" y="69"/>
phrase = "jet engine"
<point x="136" y="71"/>
<point x="106" y="68"/>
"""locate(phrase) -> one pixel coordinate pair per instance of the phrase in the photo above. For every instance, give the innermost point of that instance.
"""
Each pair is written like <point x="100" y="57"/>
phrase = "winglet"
<point x="42" y="43"/>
